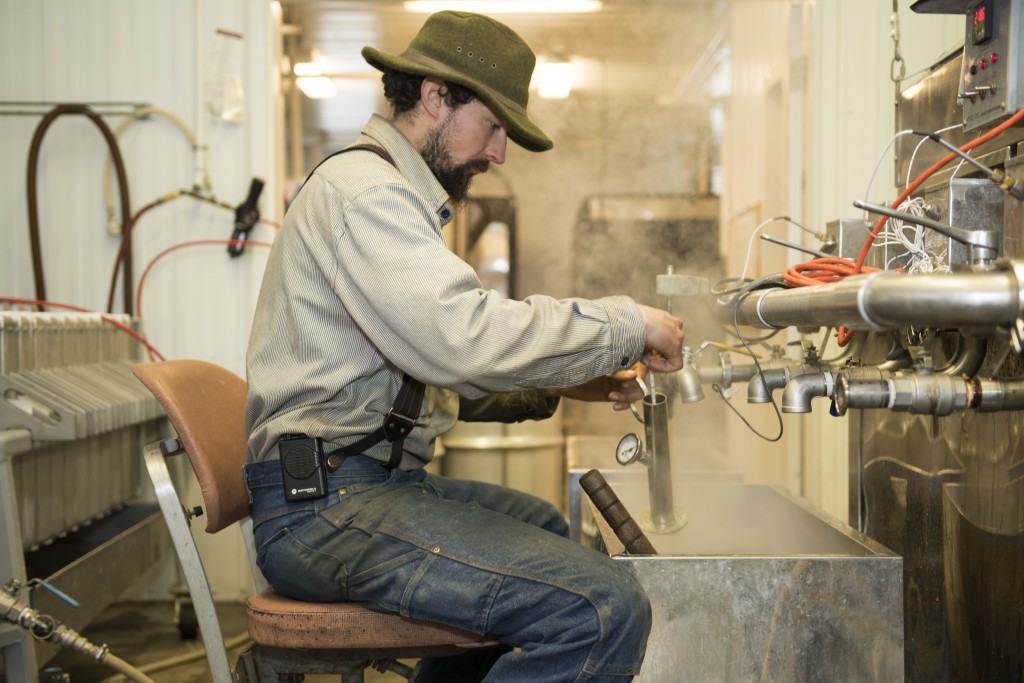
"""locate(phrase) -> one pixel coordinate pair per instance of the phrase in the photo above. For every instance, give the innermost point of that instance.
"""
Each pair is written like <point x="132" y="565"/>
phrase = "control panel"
<point x="990" y="79"/>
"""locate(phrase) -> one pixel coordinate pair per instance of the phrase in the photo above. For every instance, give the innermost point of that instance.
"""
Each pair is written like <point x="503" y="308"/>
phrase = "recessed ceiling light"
<point x="505" y="6"/>
<point x="317" y="87"/>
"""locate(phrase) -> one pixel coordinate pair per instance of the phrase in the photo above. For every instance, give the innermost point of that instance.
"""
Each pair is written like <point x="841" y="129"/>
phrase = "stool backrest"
<point x="205" y="404"/>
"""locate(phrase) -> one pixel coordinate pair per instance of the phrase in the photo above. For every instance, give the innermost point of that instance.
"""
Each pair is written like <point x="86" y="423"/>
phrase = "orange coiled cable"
<point x="822" y="271"/>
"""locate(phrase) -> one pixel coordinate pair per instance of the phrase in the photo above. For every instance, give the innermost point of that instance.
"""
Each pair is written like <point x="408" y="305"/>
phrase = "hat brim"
<point x="522" y="131"/>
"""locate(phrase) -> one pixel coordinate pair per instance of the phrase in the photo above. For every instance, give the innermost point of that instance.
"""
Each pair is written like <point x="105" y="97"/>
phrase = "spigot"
<point x="761" y="386"/>
<point x="688" y="382"/>
<point x="776" y="374"/>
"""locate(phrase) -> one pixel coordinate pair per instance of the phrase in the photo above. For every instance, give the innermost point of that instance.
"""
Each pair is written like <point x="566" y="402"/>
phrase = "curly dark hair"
<point x="402" y="90"/>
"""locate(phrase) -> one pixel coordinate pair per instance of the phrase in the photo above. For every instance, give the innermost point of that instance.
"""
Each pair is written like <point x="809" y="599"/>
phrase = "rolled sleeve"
<point x="508" y="407"/>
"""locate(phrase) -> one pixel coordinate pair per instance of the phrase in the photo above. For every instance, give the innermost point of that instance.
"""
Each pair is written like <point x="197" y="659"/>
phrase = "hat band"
<point x="440" y="66"/>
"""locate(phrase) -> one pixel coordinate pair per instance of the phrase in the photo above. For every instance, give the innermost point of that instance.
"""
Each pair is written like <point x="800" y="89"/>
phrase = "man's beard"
<point x="454" y="179"/>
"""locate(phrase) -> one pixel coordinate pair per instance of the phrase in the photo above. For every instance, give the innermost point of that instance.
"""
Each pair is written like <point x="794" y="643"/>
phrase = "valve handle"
<point x="615" y="513"/>
<point x="54" y="590"/>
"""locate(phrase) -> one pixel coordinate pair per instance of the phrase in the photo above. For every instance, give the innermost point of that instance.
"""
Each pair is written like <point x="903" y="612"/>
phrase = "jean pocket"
<point x="261" y="548"/>
<point x="298" y="566"/>
<point x="388" y="573"/>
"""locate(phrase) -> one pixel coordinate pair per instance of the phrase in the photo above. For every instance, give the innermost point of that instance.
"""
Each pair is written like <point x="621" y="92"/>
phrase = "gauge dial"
<point x="629" y="449"/>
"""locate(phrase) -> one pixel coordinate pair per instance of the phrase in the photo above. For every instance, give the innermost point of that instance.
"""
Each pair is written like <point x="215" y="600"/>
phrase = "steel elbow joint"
<point x="761" y="385"/>
<point x="800" y="390"/>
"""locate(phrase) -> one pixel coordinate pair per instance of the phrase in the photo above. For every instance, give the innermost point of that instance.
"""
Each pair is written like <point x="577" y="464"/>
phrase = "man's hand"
<point x="665" y="336"/>
<point x="621" y="388"/>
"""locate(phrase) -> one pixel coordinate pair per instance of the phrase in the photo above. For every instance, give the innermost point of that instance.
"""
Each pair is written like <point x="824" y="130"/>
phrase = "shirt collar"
<point x="410" y="163"/>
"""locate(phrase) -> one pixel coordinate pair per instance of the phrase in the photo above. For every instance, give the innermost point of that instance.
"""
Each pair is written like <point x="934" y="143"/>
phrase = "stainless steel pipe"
<point x="991" y="395"/>
<point x="725" y="374"/>
<point x="887" y="300"/>
<point x="929" y="394"/>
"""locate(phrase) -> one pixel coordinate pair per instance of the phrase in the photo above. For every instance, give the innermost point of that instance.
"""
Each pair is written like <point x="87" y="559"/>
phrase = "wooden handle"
<point x="615" y="513"/>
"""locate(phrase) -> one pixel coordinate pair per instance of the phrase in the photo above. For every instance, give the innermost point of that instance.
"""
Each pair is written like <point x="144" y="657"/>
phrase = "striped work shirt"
<point x="360" y="287"/>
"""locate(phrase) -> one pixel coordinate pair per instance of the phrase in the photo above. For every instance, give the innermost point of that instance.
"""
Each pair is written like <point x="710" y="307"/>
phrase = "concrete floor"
<point x="144" y="634"/>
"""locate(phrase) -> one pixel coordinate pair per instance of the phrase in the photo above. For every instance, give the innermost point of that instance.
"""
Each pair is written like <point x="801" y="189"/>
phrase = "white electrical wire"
<point x="911" y="237"/>
<point x="910" y="166"/>
<point x="895" y="231"/>
<point x="753" y="238"/>
<point x="957" y="169"/>
<point x="871" y="180"/>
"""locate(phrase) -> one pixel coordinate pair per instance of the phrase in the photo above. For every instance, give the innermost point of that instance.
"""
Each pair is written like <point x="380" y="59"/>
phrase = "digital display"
<point x="981" y="22"/>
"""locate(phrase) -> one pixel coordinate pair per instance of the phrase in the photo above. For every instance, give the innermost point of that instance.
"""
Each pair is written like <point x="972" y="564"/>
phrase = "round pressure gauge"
<point x="629" y="450"/>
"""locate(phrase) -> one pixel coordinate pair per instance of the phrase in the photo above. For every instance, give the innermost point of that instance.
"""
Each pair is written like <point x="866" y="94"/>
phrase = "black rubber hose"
<point x="33" y="207"/>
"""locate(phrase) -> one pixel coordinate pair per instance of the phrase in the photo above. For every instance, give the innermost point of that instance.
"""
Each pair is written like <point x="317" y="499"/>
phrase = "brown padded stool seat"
<point x="277" y="621"/>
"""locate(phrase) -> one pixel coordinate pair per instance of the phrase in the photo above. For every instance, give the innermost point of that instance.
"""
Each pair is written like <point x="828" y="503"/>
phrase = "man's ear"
<point x="432" y="97"/>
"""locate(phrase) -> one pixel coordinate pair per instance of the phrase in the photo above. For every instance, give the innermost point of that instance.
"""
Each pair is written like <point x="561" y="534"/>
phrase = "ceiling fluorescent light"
<point x="554" y="80"/>
<point x="505" y="6"/>
<point x="307" y="69"/>
<point x="317" y="87"/>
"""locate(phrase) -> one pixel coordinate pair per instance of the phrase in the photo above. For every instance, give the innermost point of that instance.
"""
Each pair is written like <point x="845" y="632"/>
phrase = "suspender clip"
<point x="397" y="426"/>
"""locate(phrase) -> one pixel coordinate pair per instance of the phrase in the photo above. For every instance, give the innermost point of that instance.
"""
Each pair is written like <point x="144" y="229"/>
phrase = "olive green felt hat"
<point x="478" y="53"/>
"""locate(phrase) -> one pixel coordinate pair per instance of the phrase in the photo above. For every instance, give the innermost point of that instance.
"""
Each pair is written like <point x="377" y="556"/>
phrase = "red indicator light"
<point x="983" y="64"/>
<point x="995" y="57"/>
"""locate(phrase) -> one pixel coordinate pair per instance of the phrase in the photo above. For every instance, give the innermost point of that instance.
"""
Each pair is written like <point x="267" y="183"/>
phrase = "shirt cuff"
<point x="626" y="331"/>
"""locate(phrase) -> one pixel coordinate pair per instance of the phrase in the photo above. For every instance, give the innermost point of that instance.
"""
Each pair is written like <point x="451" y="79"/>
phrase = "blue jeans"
<point x="480" y="557"/>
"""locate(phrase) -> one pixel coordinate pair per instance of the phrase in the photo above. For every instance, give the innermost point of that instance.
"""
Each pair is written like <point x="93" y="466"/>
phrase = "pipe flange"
<point x="863" y="290"/>
<point x="757" y="309"/>
<point x="1017" y="329"/>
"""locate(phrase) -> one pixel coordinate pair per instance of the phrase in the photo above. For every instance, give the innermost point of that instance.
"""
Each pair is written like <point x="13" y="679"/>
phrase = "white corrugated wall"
<point x="197" y="301"/>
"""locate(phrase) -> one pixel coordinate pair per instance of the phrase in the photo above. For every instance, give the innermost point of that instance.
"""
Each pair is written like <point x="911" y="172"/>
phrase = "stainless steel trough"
<point x="757" y="586"/>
